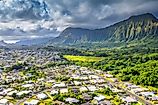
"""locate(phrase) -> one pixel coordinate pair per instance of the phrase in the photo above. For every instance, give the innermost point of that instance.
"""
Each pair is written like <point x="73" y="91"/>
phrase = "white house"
<point x="75" y="77"/>
<point x="133" y="87"/>
<point x="105" y="102"/>
<point x="77" y="83"/>
<point x="94" y="77"/>
<point x="59" y="85"/>
<point x="92" y="88"/>
<point x="129" y="100"/>
<point x="138" y="90"/>
<point x="99" y="98"/>
<point x="83" y="78"/>
<point x="72" y="100"/>
<point x="83" y="89"/>
<point x="28" y="85"/>
<point x="42" y="96"/>
<point x="100" y="81"/>
<point x="4" y="102"/>
<point x="23" y="92"/>
<point x="83" y="68"/>
<point x="32" y="102"/>
<point x="108" y="75"/>
<point x="63" y="90"/>
<point x="147" y="94"/>
<point x="154" y="98"/>
<point x="54" y="92"/>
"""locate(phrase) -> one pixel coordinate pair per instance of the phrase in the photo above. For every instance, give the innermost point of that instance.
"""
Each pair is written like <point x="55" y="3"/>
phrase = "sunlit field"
<point x="83" y="58"/>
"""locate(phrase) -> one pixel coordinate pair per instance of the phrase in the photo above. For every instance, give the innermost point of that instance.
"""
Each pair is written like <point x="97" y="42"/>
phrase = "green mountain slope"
<point x="134" y="28"/>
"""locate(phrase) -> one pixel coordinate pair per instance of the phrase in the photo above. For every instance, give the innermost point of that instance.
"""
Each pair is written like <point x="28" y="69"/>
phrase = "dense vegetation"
<point x="141" y="70"/>
<point x="66" y="50"/>
<point x="138" y="65"/>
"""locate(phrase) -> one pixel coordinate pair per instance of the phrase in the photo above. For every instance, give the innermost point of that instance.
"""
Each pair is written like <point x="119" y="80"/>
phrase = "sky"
<point x="29" y="19"/>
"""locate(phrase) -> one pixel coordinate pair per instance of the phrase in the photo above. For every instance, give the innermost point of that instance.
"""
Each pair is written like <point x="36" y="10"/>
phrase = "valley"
<point x="115" y="65"/>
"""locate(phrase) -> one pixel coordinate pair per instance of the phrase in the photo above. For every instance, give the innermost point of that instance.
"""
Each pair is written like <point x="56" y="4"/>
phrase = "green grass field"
<point x="83" y="58"/>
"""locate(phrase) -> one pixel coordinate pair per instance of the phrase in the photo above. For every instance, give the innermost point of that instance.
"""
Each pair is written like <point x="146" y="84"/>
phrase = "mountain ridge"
<point x="134" y="28"/>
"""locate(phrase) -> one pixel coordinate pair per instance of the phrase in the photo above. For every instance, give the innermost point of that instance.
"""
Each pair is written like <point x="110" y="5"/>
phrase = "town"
<point x="64" y="84"/>
<point x="32" y="57"/>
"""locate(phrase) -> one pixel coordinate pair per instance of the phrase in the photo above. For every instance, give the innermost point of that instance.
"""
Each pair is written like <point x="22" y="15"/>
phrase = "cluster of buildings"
<point x="63" y="84"/>
<point x="15" y="86"/>
<point x="70" y="85"/>
<point x="142" y="92"/>
<point x="139" y="92"/>
<point x="32" y="57"/>
<point x="67" y="81"/>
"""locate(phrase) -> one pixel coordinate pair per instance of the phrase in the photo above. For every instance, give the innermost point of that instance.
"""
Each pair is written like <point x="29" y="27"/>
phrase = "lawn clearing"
<point x="83" y="58"/>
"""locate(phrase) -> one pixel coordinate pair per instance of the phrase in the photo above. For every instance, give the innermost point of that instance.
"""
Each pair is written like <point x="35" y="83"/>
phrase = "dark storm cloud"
<point x="23" y="9"/>
<point x="75" y="11"/>
<point x="98" y="13"/>
<point x="53" y="16"/>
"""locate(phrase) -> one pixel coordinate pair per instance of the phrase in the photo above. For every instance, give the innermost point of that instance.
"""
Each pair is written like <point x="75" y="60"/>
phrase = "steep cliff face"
<point x="134" y="28"/>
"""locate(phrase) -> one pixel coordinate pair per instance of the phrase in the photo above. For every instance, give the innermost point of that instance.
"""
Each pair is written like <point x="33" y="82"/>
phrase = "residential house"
<point x="87" y="97"/>
<point x="153" y="98"/>
<point x="28" y="86"/>
<point x="77" y="83"/>
<point x="92" y="88"/>
<point x="4" y="102"/>
<point x="42" y="96"/>
<point x="108" y="75"/>
<point x="23" y="93"/>
<point x="99" y="98"/>
<point x="105" y="102"/>
<point x="72" y="100"/>
<point x="54" y="92"/>
<point x="129" y="100"/>
<point x="59" y="85"/>
<point x="83" y="89"/>
<point x="63" y="90"/>
<point x="32" y="102"/>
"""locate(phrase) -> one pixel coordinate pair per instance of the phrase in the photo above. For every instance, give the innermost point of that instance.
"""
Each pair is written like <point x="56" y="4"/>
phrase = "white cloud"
<point x="105" y="11"/>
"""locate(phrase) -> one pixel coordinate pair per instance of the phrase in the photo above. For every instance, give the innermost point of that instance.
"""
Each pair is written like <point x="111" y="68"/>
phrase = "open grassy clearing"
<point x="83" y="58"/>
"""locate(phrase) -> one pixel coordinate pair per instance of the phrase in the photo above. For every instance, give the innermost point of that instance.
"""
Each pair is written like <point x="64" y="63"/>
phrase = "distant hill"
<point x="37" y="41"/>
<point x="134" y="28"/>
<point x="3" y="44"/>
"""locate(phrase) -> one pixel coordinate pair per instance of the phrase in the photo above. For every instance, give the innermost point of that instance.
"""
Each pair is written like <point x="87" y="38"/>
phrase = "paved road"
<point x="140" y="99"/>
<point x="132" y="94"/>
<point x="21" y="101"/>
